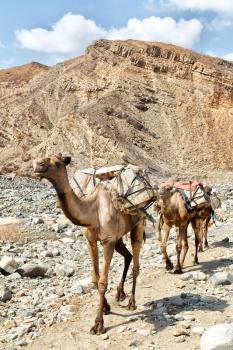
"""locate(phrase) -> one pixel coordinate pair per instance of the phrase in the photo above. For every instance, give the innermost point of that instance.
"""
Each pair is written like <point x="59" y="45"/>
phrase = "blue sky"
<point x="50" y="31"/>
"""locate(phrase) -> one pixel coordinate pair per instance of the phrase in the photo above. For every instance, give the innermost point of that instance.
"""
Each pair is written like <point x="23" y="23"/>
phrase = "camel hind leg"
<point x="160" y="225"/>
<point x="197" y="228"/>
<point x="121" y="249"/>
<point x="163" y="246"/>
<point x="136" y="241"/>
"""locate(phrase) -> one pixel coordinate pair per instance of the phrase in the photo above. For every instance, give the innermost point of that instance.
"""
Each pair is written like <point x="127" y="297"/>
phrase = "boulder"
<point x="219" y="337"/>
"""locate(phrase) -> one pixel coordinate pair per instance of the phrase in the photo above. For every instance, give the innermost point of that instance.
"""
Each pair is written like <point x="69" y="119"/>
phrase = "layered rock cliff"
<point x="146" y="103"/>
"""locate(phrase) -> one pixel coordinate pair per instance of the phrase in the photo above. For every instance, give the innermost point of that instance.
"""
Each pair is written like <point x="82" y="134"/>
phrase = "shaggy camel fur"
<point x="103" y="223"/>
<point x="173" y="212"/>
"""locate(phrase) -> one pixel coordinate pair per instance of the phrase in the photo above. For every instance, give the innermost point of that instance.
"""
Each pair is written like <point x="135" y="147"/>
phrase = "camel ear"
<point x="66" y="160"/>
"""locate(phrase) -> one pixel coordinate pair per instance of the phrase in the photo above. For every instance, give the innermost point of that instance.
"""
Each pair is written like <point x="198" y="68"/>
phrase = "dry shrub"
<point x="12" y="233"/>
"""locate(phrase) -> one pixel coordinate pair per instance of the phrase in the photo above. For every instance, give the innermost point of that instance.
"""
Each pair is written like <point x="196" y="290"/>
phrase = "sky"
<point x="51" y="31"/>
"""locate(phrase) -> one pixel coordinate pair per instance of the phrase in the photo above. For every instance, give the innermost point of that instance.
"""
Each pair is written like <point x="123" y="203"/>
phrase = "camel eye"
<point x="58" y="164"/>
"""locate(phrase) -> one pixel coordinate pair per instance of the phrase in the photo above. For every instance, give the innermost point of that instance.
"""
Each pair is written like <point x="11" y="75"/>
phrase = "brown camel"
<point x="103" y="223"/>
<point x="173" y="212"/>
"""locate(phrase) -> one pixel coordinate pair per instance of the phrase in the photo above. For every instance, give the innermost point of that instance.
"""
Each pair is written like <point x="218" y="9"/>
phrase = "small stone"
<point x="186" y="276"/>
<point x="198" y="330"/>
<point x="199" y="276"/>
<point x="5" y="293"/>
<point x="64" y="270"/>
<point x="180" y="339"/>
<point x="144" y="332"/>
<point x="9" y="324"/>
<point x="105" y="336"/>
<point x="180" y="331"/>
<point x="222" y="278"/>
<point x="8" y="264"/>
<point x="32" y="270"/>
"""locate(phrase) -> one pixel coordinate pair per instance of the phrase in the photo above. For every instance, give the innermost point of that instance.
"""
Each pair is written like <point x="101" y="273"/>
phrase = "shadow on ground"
<point x="168" y="313"/>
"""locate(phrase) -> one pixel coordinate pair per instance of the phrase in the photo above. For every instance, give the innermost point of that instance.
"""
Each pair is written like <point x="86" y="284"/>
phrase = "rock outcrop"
<point x="145" y="103"/>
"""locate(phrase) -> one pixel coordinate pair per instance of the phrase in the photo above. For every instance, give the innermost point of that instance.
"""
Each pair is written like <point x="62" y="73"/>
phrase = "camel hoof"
<point x="98" y="327"/>
<point x="196" y="262"/>
<point x="169" y="266"/>
<point x="178" y="271"/>
<point x="201" y="249"/>
<point x="120" y="295"/>
<point x="107" y="309"/>
<point x="206" y="245"/>
<point x="132" y="306"/>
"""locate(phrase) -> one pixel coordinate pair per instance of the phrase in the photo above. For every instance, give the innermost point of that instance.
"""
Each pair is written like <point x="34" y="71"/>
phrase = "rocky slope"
<point x="151" y="104"/>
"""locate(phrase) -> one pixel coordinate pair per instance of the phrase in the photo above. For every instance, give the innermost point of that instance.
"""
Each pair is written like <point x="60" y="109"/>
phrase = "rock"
<point x="8" y="264"/>
<point x="47" y="254"/>
<point x="186" y="276"/>
<point x="198" y="330"/>
<point x="77" y="288"/>
<point x="67" y="240"/>
<point x="219" y="337"/>
<point x="105" y="336"/>
<point x="14" y="276"/>
<point x="5" y="293"/>
<point x="64" y="270"/>
<point x="180" y="331"/>
<point x="32" y="270"/>
<point x="144" y="332"/>
<point x="222" y="278"/>
<point x="199" y="276"/>
<point x="9" y="324"/>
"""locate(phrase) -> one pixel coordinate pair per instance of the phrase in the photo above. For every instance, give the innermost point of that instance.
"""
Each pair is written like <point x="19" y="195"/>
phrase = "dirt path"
<point x="140" y="330"/>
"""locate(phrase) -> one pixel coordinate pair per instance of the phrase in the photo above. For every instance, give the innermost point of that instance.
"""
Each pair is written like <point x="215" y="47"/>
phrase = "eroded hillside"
<point x="123" y="101"/>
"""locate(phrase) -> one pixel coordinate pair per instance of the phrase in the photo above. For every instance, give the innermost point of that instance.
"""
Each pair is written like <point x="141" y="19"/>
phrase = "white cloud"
<point x="222" y="7"/>
<point x="72" y="33"/>
<point x="228" y="57"/>
<point x="183" y="33"/>
<point x="69" y="35"/>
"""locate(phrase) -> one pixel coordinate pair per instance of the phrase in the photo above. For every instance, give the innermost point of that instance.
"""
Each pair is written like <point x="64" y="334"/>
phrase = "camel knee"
<point x="102" y="286"/>
<point x="163" y="248"/>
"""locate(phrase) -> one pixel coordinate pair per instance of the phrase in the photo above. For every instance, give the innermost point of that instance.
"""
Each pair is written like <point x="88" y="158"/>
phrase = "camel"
<point x="174" y="212"/>
<point x="103" y="223"/>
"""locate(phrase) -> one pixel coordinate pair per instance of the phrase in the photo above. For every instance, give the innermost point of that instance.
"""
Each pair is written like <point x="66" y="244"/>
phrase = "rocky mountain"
<point x="150" y="104"/>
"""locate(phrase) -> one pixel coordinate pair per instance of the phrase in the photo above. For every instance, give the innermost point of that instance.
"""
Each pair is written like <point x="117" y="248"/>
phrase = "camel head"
<point x="51" y="168"/>
<point x="165" y="190"/>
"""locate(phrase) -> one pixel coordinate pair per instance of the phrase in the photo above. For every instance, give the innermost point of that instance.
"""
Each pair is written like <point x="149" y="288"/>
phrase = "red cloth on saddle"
<point x="185" y="185"/>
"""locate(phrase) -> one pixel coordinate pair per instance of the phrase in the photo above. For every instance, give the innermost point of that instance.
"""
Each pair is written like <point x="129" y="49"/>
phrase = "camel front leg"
<point x="98" y="327"/>
<point x="136" y="241"/>
<point x="185" y="245"/>
<point x="163" y="246"/>
<point x="94" y="254"/>
<point x="179" y="237"/>
<point x="121" y="249"/>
